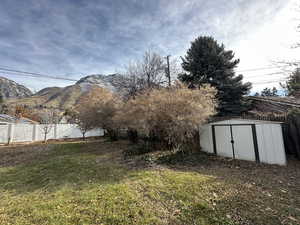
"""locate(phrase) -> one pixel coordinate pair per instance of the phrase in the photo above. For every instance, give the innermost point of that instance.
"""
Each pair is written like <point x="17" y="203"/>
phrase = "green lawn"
<point x="92" y="183"/>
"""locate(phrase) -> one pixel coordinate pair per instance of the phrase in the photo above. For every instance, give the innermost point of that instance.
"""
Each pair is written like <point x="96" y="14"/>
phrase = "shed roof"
<point x="243" y="121"/>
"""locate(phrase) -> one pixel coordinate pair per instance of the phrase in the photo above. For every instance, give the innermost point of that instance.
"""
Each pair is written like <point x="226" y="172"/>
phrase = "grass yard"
<point x="92" y="183"/>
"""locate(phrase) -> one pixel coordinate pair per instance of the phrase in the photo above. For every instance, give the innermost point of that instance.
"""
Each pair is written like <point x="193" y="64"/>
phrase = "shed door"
<point x="223" y="141"/>
<point x="243" y="142"/>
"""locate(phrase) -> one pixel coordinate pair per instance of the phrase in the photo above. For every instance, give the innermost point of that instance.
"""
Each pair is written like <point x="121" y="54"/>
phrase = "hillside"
<point x="11" y="89"/>
<point x="66" y="97"/>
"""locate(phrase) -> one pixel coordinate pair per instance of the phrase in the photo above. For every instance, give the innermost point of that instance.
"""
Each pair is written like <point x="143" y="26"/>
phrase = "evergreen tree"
<point x="2" y="107"/>
<point x="292" y="86"/>
<point x="1" y="99"/>
<point x="268" y="92"/>
<point x="208" y="62"/>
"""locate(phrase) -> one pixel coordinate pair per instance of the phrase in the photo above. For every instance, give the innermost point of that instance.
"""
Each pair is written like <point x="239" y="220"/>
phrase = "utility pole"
<point x="168" y="71"/>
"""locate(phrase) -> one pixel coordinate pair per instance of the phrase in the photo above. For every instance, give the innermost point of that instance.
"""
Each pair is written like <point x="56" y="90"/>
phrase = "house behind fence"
<point x="20" y="132"/>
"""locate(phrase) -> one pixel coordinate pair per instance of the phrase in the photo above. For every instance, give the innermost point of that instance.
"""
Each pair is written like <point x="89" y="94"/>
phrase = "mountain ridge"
<point x="11" y="89"/>
<point x="66" y="97"/>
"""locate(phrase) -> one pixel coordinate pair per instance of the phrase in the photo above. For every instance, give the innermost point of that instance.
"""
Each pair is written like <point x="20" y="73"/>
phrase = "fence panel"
<point x="36" y="132"/>
<point x="22" y="133"/>
<point x="41" y="133"/>
<point x="95" y="133"/>
<point x="67" y="131"/>
<point x="72" y="131"/>
<point x="3" y="133"/>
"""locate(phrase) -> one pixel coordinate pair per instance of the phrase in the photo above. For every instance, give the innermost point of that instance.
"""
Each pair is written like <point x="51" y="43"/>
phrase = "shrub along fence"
<point x="12" y="133"/>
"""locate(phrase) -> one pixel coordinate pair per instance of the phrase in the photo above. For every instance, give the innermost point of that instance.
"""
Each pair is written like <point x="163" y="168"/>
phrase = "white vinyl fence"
<point x="35" y="132"/>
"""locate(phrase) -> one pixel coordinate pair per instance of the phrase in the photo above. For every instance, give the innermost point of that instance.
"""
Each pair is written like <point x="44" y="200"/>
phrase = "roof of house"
<point x="4" y="118"/>
<point x="274" y="104"/>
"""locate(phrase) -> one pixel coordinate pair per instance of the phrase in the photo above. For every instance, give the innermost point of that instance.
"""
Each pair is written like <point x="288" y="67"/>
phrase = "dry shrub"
<point x="170" y="115"/>
<point x="96" y="109"/>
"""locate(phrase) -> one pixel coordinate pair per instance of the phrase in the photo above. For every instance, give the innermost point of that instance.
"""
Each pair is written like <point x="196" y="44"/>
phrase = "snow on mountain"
<point x="11" y="89"/>
<point x="110" y="82"/>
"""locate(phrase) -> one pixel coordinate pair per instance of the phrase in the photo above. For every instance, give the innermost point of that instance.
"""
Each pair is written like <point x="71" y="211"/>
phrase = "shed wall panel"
<point x="206" y="142"/>
<point x="223" y="144"/>
<point x="270" y="144"/>
<point x="243" y="142"/>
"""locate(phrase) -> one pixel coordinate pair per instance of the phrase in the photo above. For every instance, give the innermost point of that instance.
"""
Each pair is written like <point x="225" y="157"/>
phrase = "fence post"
<point x="34" y="132"/>
<point x="10" y="135"/>
<point x="55" y="131"/>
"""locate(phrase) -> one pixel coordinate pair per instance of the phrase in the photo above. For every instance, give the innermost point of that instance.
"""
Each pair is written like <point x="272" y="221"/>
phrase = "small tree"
<point x="171" y="115"/>
<point x="47" y="118"/>
<point x="83" y="117"/>
<point x="97" y="108"/>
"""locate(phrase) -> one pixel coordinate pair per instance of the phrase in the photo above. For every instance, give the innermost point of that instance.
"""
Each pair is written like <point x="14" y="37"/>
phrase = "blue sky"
<point x="73" y="38"/>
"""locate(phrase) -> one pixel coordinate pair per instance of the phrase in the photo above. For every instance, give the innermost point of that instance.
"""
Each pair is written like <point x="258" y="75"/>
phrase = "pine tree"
<point x="292" y="85"/>
<point x="208" y="62"/>
<point x="268" y="92"/>
<point x="1" y="99"/>
<point x="2" y="106"/>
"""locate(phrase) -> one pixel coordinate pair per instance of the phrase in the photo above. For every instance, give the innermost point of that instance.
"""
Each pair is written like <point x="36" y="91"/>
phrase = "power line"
<point x="37" y="75"/>
<point x="17" y="72"/>
<point x="258" y="69"/>
<point x="267" y="81"/>
<point x="261" y="75"/>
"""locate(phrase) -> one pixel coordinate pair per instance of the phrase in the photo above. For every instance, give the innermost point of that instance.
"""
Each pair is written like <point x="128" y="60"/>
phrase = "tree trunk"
<point x="112" y="134"/>
<point x="45" y="137"/>
<point x="132" y="136"/>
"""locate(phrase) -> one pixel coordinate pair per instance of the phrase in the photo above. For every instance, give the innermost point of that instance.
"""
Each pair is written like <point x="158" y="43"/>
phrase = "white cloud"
<point x="267" y="44"/>
<point x="101" y="36"/>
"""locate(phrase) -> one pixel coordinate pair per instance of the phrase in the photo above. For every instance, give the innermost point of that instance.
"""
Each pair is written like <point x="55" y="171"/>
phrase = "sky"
<point x="68" y="38"/>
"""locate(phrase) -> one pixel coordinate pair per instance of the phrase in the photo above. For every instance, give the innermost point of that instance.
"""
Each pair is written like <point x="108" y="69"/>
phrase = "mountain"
<point x="48" y="91"/>
<point x="11" y="89"/>
<point x="111" y="82"/>
<point x="66" y="97"/>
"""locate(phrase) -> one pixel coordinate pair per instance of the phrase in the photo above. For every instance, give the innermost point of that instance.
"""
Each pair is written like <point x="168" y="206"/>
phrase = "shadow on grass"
<point x="76" y="165"/>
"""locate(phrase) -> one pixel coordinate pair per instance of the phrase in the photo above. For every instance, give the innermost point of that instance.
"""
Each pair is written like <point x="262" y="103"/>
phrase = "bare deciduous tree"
<point x="145" y="74"/>
<point x="47" y="118"/>
<point x="83" y="117"/>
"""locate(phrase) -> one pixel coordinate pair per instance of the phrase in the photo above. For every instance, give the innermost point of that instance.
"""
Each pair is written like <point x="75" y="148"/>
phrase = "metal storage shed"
<point x="244" y="139"/>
